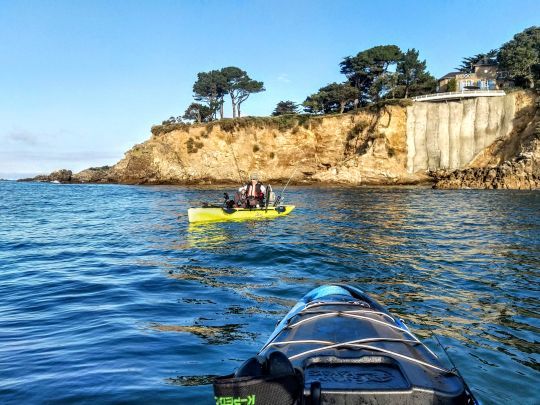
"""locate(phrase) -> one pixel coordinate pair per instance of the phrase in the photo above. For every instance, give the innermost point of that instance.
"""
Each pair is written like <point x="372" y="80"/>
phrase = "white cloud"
<point x="23" y="137"/>
<point x="283" y="78"/>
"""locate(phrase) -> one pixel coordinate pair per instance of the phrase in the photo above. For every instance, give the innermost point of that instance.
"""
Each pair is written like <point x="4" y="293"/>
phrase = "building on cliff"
<point x="484" y="75"/>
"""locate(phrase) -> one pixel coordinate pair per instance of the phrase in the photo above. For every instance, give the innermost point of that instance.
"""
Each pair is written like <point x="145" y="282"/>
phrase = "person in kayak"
<point x="251" y="194"/>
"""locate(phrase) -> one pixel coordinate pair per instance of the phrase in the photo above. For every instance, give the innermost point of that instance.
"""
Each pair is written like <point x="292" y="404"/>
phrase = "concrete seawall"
<point x="449" y="135"/>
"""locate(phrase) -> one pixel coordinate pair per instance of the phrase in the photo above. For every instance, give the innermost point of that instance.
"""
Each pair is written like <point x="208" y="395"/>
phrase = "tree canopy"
<point x="367" y="70"/>
<point x="198" y="112"/>
<point x="412" y="77"/>
<point x="467" y="64"/>
<point x="285" y="107"/>
<point x="331" y="98"/>
<point x="520" y="57"/>
<point x="211" y="88"/>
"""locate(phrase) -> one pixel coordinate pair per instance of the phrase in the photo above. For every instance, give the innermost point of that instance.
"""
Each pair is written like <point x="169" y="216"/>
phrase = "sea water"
<point x="107" y="294"/>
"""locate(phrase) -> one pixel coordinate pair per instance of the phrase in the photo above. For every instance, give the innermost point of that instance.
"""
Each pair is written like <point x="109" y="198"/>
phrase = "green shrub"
<point x="356" y="130"/>
<point x="227" y="125"/>
<point x="163" y="129"/>
<point x="452" y="85"/>
<point x="304" y="120"/>
<point x="192" y="146"/>
<point x="100" y="168"/>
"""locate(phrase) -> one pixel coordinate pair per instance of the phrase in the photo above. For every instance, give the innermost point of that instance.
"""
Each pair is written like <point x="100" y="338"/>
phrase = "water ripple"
<point x="108" y="295"/>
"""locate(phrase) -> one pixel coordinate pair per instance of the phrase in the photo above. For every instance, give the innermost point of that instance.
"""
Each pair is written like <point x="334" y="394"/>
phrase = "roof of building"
<point x="450" y="75"/>
<point x="486" y="62"/>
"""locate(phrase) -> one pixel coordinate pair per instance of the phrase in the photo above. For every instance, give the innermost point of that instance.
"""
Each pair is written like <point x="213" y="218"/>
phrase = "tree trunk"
<point x="341" y="107"/>
<point x="238" y="108"/>
<point x="221" y="110"/>
<point x="233" y="102"/>
<point x="406" y="91"/>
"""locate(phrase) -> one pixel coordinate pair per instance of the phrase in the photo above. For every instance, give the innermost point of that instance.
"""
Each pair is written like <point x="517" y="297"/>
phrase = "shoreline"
<point x="275" y="182"/>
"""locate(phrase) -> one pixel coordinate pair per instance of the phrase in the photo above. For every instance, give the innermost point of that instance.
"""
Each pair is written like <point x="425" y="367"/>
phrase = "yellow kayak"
<point x="209" y="214"/>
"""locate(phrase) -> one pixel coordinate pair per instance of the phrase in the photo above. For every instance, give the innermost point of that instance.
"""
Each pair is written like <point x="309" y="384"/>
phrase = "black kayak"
<point x="339" y="346"/>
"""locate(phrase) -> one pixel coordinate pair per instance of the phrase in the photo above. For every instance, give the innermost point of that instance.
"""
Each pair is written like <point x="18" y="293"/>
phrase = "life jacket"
<point x="258" y="193"/>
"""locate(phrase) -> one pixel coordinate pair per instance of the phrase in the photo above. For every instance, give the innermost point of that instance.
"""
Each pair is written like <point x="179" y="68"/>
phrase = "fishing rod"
<point x="280" y="198"/>
<point x="237" y="166"/>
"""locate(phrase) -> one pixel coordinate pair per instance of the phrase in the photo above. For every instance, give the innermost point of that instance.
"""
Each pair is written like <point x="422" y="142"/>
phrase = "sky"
<point x="81" y="82"/>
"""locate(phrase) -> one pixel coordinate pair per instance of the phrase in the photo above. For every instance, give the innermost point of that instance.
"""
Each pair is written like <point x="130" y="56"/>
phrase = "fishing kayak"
<point x="339" y="346"/>
<point x="212" y="214"/>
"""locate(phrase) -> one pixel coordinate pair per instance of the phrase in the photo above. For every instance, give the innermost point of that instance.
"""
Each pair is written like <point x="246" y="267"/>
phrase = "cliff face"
<point x="522" y="173"/>
<point x="510" y="162"/>
<point x="403" y="143"/>
<point x="451" y="135"/>
<point x="366" y="147"/>
<point x="472" y="133"/>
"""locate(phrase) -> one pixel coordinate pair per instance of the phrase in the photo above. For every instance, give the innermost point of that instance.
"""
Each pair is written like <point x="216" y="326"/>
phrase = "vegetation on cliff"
<point x="286" y="107"/>
<point x="281" y="119"/>
<point x="383" y="72"/>
<point x="212" y="87"/>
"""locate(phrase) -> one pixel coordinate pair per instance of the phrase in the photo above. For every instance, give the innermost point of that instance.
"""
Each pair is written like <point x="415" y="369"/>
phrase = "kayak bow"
<point x="339" y="346"/>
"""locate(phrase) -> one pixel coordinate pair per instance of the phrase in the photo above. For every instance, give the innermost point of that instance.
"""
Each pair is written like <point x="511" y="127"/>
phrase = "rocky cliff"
<point x="399" y="143"/>
<point x="522" y="173"/>
<point x="364" y="147"/>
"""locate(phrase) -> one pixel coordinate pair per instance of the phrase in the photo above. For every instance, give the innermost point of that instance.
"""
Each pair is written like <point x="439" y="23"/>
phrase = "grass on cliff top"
<point x="281" y="122"/>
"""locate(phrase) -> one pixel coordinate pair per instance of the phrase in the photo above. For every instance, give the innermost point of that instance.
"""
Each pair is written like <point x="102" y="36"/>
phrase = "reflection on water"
<point x="215" y="335"/>
<point x="207" y="236"/>
<point x="141" y="306"/>
<point x="192" y="380"/>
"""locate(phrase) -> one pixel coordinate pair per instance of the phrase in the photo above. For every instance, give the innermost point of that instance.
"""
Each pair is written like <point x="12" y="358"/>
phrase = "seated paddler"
<point x="252" y="194"/>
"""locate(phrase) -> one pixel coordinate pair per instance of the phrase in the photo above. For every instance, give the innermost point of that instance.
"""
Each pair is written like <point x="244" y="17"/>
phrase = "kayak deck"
<point x="344" y="348"/>
<point x="214" y="214"/>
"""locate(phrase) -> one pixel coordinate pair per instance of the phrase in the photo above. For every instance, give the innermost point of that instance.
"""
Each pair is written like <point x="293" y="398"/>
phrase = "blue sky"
<point x="82" y="82"/>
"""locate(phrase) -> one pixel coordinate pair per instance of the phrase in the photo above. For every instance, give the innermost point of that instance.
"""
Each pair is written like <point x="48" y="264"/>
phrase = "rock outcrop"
<point x="394" y="143"/>
<point x="522" y="173"/>
<point x="94" y="175"/>
<point x="62" y="176"/>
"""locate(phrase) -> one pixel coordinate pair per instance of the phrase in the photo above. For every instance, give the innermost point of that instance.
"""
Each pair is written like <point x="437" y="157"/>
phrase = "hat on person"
<point x="254" y="176"/>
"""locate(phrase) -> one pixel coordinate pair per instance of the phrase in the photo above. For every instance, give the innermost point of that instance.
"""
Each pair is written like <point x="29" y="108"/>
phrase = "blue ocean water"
<point x="107" y="294"/>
